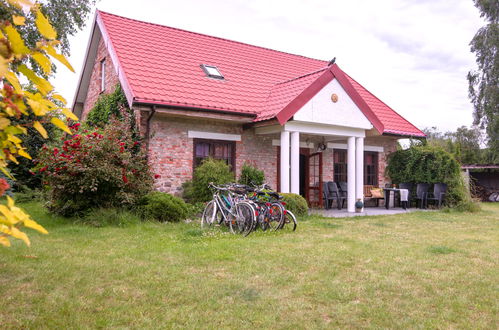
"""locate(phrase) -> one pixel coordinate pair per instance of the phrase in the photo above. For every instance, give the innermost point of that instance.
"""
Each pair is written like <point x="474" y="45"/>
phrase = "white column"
<point x="359" y="168"/>
<point x="295" y="162"/>
<point x="351" y="174"/>
<point x="284" y="161"/>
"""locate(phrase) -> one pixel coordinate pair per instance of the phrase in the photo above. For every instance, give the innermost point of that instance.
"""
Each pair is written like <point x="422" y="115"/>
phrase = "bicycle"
<point x="230" y="209"/>
<point x="271" y="211"/>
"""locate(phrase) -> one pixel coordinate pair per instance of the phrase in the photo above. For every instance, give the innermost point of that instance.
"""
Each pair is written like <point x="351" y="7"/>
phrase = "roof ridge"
<point x="302" y="76"/>
<point x="210" y="36"/>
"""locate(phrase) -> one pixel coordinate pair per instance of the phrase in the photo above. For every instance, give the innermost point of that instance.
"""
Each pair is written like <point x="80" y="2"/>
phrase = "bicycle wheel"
<point x="209" y="217"/>
<point x="262" y="217"/>
<point x="275" y="216"/>
<point x="289" y="222"/>
<point x="243" y="219"/>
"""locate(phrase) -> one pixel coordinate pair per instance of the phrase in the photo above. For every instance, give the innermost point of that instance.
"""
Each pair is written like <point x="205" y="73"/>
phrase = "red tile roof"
<point x="161" y="65"/>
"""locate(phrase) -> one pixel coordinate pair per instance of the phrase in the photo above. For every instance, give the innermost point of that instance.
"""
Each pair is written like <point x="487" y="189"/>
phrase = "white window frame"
<point x="213" y="136"/>
<point x="103" y="75"/>
<point x="206" y="70"/>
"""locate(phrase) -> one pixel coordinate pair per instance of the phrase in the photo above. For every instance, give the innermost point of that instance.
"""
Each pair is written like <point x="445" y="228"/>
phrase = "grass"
<point x="417" y="270"/>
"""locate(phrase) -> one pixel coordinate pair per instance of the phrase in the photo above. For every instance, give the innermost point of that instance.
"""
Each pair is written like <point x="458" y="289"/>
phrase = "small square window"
<point x="212" y="71"/>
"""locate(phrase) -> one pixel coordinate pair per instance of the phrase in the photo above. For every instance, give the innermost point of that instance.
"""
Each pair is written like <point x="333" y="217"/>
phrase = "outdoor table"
<point x="388" y="192"/>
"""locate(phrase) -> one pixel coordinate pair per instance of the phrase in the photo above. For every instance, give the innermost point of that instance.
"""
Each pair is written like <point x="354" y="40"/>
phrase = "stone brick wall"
<point x="389" y="145"/>
<point x="171" y="150"/>
<point x="94" y="88"/>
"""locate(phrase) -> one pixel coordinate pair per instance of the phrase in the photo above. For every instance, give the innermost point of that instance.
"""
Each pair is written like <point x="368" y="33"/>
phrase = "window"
<point x="371" y="168"/>
<point x="103" y="75"/>
<point x="216" y="149"/>
<point x="340" y="165"/>
<point x="212" y="71"/>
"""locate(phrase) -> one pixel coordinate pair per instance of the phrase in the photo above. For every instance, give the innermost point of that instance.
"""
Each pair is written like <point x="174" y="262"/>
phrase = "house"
<point x="301" y="120"/>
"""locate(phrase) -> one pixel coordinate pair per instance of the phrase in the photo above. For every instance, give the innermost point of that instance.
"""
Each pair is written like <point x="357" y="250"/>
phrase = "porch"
<point x="367" y="211"/>
<point x="310" y="154"/>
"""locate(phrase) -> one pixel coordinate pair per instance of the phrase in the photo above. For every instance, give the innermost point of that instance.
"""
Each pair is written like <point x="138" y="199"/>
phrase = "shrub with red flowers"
<point x="95" y="168"/>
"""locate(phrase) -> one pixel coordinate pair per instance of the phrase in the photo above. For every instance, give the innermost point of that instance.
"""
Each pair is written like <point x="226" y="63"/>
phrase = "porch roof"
<point x="161" y="65"/>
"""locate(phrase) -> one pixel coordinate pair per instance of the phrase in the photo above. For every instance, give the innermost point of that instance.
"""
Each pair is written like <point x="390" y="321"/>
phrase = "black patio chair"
<point x="438" y="194"/>
<point x="409" y="187"/>
<point x="343" y="189"/>
<point x="421" y="192"/>
<point x="332" y="193"/>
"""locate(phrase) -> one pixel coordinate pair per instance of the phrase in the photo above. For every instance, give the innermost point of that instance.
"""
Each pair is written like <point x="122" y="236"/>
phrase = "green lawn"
<point x="418" y="270"/>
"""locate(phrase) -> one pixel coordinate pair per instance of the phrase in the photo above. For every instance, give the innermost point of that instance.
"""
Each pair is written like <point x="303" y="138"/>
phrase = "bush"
<point x="424" y="164"/>
<point x="100" y="168"/>
<point x="108" y="106"/>
<point x="102" y="217"/>
<point x="28" y="195"/>
<point x="211" y="170"/>
<point x="296" y="204"/>
<point x="163" y="207"/>
<point x="195" y="210"/>
<point x="251" y="175"/>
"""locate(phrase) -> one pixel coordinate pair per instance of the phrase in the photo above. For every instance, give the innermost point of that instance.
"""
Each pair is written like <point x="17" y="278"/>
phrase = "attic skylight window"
<point x="212" y="71"/>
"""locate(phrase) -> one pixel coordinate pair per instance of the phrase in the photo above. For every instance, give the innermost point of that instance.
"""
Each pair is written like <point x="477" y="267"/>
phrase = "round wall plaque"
<point x="334" y="98"/>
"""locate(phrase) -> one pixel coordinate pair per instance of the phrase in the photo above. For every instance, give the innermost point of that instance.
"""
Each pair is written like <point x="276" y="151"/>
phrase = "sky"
<point x="412" y="54"/>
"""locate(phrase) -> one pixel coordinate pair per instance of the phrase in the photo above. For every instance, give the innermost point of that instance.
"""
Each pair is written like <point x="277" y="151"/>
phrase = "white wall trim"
<point x="344" y="146"/>
<point x="323" y="129"/>
<point x="213" y="136"/>
<point x="268" y="129"/>
<point x="310" y="145"/>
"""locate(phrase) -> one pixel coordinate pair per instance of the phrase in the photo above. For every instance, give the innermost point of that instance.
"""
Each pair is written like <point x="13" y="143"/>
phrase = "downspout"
<point x="148" y="129"/>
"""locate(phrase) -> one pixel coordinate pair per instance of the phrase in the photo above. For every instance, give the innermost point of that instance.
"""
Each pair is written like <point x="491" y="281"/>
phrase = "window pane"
<point x="215" y="149"/>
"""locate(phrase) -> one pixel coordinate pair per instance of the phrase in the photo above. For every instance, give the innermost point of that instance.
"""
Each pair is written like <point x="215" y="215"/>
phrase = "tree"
<point x="66" y="16"/>
<point x="484" y="82"/>
<point x="17" y="102"/>
<point x="465" y="144"/>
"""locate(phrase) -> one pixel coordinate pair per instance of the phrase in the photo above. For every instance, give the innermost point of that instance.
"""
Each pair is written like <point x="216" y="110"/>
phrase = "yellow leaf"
<point x="8" y="214"/>
<point x="4" y="66"/>
<point x="4" y="221"/>
<point x="23" y="153"/>
<point x="67" y="112"/>
<point x="39" y="127"/>
<point x="21" y="106"/>
<point x="4" y="170"/>
<point x="18" y="20"/>
<point x="16" y="42"/>
<point x="37" y="107"/>
<point x="61" y="58"/>
<point x="14" y="139"/>
<point x="24" y="130"/>
<point x="59" y="123"/>
<point x="33" y="225"/>
<point x="16" y="233"/>
<point x="59" y="98"/>
<point x="43" y="61"/>
<point x="12" y="79"/>
<point x="43" y="85"/>
<point x="13" y="159"/>
<point x="44" y="26"/>
<point x="10" y="202"/>
<point x="4" y="122"/>
<point x="4" y="241"/>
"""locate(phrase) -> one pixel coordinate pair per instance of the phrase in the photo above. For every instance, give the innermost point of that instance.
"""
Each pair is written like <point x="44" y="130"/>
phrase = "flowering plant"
<point x="95" y="168"/>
